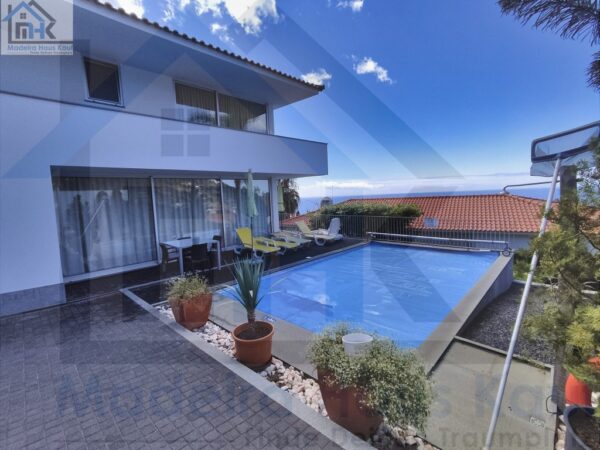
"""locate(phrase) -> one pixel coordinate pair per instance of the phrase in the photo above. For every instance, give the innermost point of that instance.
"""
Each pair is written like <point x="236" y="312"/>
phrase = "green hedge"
<point x="370" y="209"/>
<point x="358" y="218"/>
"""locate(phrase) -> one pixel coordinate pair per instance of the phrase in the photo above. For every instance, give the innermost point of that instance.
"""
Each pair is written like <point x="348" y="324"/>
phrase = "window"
<point x="23" y="15"/>
<point x="103" y="81"/>
<point x="200" y="106"/>
<point x="242" y="114"/>
<point x="104" y="223"/>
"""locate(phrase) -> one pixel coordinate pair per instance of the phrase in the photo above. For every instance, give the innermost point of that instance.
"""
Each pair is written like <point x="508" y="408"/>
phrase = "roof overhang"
<point x="103" y="32"/>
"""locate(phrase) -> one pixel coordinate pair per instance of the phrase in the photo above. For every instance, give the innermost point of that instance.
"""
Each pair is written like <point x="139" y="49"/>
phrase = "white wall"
<point x="36" y="135"/>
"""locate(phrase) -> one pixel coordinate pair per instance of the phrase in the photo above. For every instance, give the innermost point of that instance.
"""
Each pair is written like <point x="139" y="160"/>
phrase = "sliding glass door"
<point x="104" y="223"/>
<point x="235" y="201"/>
<point x="187" y="207"/>
<point x="108" y="223"/>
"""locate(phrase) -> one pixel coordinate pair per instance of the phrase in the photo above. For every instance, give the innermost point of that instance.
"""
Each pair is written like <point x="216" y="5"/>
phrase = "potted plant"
<point x="570" y="320"/>
<point x="253" y="339"/>
<point x="583" y="343"/>
<point x="190" y="300"/>
<point x="383" y="381"/>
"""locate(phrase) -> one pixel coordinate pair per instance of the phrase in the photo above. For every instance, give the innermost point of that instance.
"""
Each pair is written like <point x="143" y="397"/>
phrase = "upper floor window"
<point x="102" y="81"/>
<point x="200" y="106"/>
<point x="242" y="114"/>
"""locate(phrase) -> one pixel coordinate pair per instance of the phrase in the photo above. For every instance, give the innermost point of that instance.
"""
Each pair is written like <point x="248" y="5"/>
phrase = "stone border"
<point x="323" y="425"/>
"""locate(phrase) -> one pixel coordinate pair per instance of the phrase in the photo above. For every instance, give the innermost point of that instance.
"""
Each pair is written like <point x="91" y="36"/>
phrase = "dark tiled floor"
<point x="106" y="374"/>
<point x="156" y="293"/>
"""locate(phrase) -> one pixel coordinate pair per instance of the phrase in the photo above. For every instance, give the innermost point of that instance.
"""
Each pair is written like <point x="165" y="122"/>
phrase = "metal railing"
<point x="420" y="230"/>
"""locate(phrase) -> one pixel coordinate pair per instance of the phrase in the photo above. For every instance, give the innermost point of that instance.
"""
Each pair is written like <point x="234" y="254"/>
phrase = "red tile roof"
<point x="493" y="212"/>
<point x="205" y="44"/>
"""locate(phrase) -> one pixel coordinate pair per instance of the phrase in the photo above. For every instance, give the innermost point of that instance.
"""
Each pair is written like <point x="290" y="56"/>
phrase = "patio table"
<point x="181" y="244"/>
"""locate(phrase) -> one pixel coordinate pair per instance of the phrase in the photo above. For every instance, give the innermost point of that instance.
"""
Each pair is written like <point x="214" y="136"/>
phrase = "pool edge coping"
<point x="321" y="424"/>
<point x="438" y="342"/>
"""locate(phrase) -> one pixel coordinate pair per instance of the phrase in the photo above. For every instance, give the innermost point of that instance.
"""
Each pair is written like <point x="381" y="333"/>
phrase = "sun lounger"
<point x="256" y="245"/>
<point x="321" y="236"/>
<point x="290" y="236"/>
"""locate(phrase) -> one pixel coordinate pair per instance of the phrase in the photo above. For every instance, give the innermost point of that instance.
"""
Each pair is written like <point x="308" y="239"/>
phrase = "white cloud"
<point x="131" y="6"/>
<point x="168" y="11"/>
<point x="369" y="65"/>
<point x="354" y="5"/>
<point x="221" y="31"/>
<point x="317" y="77"/>
<point x="407" y="186"/>
<point x="349" y="184"/>
<point x="249" y="14"/>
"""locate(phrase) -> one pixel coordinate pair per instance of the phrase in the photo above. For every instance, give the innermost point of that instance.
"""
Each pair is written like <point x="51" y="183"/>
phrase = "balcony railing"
<point x="458" y="233"/>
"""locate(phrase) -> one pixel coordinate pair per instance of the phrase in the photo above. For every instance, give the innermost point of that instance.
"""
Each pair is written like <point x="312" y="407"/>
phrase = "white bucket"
<point x="356" y="344"/>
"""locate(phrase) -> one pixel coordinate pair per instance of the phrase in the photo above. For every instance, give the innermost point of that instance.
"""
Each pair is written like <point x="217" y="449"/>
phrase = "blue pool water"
<point x="399" y="292"/>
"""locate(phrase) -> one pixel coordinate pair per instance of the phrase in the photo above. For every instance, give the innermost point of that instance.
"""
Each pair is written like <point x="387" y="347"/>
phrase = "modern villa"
<point x="143" y="136"/>
<point x="155" y="292"/>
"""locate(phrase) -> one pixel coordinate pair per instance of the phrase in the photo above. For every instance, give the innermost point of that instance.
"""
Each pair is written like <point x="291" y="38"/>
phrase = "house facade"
<point x="143" y="135"/>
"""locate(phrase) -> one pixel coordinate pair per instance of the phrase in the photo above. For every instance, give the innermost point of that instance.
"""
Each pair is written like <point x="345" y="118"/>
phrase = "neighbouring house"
<point x="144" y="135"/>
<point x="506" y="217"/>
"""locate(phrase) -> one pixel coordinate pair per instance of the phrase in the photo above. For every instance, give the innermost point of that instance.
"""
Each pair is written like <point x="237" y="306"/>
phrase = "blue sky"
<point x="421" y="95"/>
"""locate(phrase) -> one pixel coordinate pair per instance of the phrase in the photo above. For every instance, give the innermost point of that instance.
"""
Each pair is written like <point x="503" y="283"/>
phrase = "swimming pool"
<point x="400" y="292"/>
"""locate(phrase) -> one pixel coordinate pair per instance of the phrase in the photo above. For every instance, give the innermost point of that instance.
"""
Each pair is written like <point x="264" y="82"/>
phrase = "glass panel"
<point x="242" y="114"/>
<point x="202" y="104"/>
<point x="235" y="202"/>
<point x="103" y="223"/>
<point x="188" y="207"/>
<point x="102" y="80"/>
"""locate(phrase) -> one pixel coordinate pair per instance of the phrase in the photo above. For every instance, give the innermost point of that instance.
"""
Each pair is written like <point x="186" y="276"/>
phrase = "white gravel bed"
<point x="306" y="389"/>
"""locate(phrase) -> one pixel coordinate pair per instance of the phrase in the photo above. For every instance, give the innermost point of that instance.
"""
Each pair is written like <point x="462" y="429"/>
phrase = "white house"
<point x="143" y="135"/>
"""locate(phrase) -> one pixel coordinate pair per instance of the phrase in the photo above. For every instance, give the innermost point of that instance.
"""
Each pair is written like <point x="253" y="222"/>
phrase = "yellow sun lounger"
<point x="255" y="244"/>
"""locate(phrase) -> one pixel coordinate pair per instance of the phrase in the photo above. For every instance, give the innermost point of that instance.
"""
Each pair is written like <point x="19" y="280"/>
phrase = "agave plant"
<point x="248" y="274"/>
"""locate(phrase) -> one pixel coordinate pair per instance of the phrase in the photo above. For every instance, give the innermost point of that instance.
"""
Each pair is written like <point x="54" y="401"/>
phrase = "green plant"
<point x="583" y="341"/>
<point x="570" y="263"/>
<point x="394" y="382"/>
<point x="291" y="197"/>
<point x="248" y="274"/>
<point x="185" y="289"/>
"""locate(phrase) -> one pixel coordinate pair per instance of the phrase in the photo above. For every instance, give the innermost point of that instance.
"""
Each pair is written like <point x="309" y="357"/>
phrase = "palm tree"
<point x="291" y="197"/>
<point x="574" y="19"/>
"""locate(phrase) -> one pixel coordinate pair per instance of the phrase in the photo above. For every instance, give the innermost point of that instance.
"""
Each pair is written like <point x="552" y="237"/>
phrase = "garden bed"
<point x="305" y="388"/>
<point x="493" y="326"/>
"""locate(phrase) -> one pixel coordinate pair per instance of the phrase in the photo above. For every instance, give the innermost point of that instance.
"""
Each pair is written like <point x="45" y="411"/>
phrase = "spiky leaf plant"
<point x="248" y="274"/>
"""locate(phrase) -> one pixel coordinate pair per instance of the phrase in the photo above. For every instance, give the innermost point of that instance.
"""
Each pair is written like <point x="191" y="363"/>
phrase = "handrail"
<point x="444" y="239"/>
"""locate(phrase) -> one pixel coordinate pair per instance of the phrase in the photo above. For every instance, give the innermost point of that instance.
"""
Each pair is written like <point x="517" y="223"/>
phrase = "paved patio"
<point x="107" y="374"/>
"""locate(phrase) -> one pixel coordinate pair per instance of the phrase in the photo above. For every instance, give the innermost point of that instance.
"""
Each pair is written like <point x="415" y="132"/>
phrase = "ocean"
<point x="311" y="203"/>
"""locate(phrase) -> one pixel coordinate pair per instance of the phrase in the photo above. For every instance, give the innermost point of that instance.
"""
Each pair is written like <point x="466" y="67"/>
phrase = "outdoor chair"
<point x="264" y="246"/>
<point x="200" y="257"/>
<point x="290" y="236"/>
<point x="167" y="255"/>
<point x="322" y="236"/>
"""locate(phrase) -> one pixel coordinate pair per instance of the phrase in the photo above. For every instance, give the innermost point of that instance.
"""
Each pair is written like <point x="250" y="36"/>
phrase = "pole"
<point x="520" y="315"/>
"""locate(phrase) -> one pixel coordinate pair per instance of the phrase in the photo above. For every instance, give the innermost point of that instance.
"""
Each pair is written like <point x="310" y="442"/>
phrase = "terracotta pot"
<point x="192" y="313"/>
<point x="254" y="353"/>
<point x="344" y="407"/>
<point x="577" y="392"/>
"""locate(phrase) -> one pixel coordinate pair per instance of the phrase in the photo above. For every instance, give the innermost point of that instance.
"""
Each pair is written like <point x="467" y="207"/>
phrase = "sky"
<point x="420" y="95"/>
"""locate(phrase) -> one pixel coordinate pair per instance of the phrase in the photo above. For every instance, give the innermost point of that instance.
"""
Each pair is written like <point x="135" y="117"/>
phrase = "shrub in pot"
<point x="583" y="344"/>
<point x="570" y="262"/>
<point x="383" y="381"/>
<point x="253" y="339"/>
<point x="190" y="299"/>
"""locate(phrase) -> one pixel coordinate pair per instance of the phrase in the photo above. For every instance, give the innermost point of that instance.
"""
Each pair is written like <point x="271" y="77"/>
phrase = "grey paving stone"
<point x="105" y="374"/>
